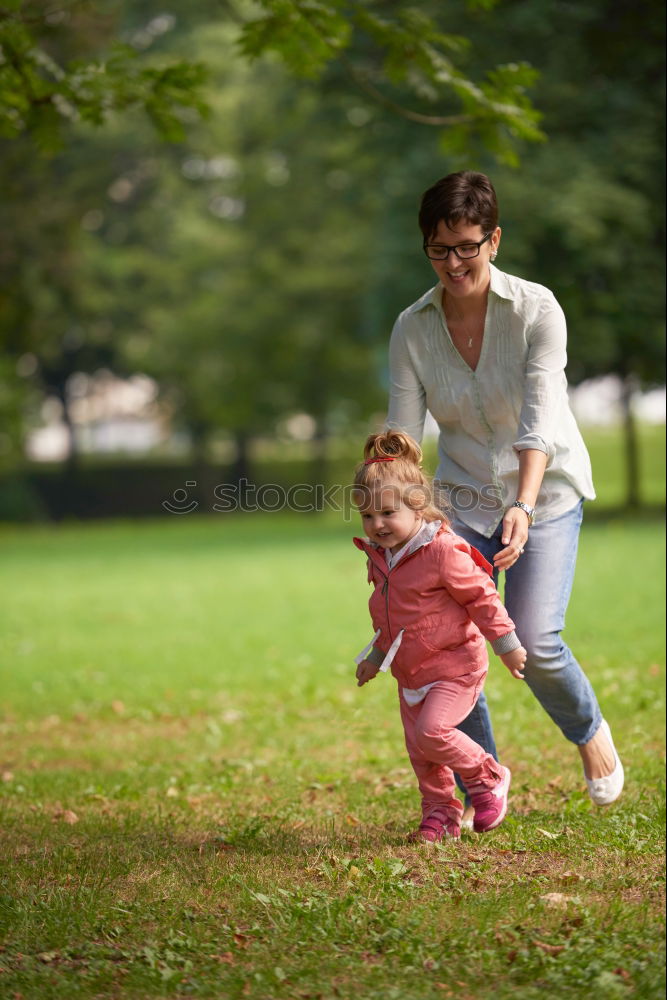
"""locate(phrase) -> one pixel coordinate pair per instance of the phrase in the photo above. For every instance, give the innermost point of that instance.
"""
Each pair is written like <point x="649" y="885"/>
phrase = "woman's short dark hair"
<point x="465" y="196"/>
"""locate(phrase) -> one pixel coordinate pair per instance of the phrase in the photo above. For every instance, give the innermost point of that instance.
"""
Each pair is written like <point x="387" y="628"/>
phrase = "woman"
<point x="485" y="352"/>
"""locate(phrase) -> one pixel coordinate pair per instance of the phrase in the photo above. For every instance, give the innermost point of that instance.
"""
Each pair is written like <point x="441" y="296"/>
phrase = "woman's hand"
<point x="515" y="662"/>
<point x="514" y="538"/>
<point x="366" y="671"/>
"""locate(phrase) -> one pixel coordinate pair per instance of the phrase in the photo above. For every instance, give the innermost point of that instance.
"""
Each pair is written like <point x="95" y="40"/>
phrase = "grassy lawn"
<point x="197" y="800"/>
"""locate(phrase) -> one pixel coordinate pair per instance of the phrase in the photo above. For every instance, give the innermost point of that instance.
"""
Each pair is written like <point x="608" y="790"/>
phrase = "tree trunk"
<point x="72" y="459"/>
<point x="631" y="442"/>
<point x="320" y="465"/>
<point x="240" y="472"/>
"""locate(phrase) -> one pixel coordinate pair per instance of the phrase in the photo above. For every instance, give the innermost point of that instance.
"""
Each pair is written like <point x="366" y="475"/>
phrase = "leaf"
<point x="65" y="815"/>
<point x="227" y="958"/>
<point x="557" y="899"/>
<point x="548" y="949"/>
<point x="568" y="877"/>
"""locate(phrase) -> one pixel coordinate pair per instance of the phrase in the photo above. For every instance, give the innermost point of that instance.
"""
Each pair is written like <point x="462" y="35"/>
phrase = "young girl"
<point x="433" y="605"/>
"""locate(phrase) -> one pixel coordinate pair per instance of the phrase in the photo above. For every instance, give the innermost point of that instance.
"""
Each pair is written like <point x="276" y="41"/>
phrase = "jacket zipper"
<point x="385" y="586"/>
<point x="385" y="591"/>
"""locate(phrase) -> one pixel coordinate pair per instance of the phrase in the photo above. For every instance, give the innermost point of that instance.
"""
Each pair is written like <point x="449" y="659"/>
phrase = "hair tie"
<point x="381" y="458"/>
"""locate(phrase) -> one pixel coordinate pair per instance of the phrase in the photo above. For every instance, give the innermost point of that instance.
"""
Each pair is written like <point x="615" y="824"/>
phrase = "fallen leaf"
<point x="241" y="940"/>
<point x="67" y="816"/>
<point x="47" y="956"/>
<point x="556" y="899"/>
<point x="7" y="776"/>
<point x="172" y="792"/>
<point x="570" y="877"/>
<point x="623" y="973"/>
<point x="352" y="820"/>
<point x="118" y="707"/>
<point x="226" y="958"/>
<point x="549" y="949"/>
<point x="547" y="833"/>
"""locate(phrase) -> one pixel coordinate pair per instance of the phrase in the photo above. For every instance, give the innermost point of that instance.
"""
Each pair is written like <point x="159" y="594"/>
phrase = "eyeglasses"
<point x="464" y="251"/>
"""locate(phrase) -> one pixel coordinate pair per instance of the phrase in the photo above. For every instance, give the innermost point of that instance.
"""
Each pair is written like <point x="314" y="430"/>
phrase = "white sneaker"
<point x="604" y="791"/>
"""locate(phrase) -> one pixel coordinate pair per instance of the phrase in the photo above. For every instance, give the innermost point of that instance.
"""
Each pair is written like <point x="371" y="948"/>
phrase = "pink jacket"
<point x="443" y="598"/>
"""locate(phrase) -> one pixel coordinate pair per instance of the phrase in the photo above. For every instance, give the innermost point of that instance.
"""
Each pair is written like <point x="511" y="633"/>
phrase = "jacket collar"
<point x="424" y="536"/>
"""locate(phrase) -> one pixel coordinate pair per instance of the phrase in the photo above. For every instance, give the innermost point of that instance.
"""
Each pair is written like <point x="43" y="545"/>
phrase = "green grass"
<point x="198" y="801"/>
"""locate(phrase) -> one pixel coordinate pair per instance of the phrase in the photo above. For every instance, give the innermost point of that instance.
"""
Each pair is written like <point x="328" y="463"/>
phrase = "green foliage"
<point x="306" y="34"/>
<point x="41" y="93"/>
<point x="255" y="265"/>
<point x="396" y="56"/>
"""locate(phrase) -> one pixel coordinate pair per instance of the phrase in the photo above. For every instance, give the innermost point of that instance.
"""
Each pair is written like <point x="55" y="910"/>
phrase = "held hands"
<point x="515" y="662"/>
<point x="366" y="671"/>
<point x="514" y="538"/>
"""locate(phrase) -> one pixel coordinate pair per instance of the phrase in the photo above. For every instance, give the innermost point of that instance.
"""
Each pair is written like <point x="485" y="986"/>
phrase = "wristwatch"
<point x="530" y="511"/>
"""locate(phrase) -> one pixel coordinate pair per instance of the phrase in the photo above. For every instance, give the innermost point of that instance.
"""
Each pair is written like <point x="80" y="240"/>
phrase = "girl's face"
<point x="387" y="521"/>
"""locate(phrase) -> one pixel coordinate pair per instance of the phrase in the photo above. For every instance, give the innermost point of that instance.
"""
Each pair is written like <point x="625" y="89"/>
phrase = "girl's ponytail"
<point x="393" y="444"/>
<point x="393" y="458"/>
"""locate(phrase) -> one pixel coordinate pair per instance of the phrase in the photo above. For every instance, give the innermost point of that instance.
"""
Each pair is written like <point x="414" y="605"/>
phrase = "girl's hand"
<point x="515" y="662"/>
<point x="514" y="538"/>
<point x="366" y="671"/>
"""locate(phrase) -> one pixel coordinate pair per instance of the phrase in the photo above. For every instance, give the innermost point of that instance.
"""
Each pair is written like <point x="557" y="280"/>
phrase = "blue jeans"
<point x="537" y="591"/>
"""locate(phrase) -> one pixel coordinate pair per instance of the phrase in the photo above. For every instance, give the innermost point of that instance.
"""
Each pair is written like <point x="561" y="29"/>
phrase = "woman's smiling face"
<point x="463" y="278"/>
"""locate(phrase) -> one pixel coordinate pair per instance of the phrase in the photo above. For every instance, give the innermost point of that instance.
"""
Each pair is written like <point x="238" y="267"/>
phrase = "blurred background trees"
<point x="222" y="197"/>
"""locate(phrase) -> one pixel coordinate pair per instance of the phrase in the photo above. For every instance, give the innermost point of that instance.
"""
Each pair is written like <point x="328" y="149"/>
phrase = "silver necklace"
<point x="463" y="324"/>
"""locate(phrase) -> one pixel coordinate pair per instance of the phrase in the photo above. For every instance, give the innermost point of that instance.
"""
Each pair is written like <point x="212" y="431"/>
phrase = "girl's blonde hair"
<point x="393" y="458"/>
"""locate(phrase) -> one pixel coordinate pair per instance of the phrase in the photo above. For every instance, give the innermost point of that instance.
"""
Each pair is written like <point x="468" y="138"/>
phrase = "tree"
<point x="63" y="72"/>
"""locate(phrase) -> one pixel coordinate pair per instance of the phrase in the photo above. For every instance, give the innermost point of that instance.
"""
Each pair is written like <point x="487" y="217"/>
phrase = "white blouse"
<point x="515" y="399"/>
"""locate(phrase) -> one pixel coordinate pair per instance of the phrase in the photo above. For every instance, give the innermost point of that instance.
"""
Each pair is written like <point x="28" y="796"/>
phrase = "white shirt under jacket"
<point x="515" y="399"/>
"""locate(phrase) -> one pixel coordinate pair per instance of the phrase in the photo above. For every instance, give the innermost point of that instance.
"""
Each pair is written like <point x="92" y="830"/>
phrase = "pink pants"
<point x="437" y="748"/>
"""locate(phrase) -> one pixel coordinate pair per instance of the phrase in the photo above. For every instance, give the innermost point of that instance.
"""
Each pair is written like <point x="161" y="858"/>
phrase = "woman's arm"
<point x="407" y="396"/>
<point x="532" y="464"/>
<point x="543" y="387"/>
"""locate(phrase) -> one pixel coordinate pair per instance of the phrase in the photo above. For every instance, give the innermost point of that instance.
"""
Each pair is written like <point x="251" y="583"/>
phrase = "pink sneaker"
<point x="436" y="827"/>
<point x="490" y="804"/>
